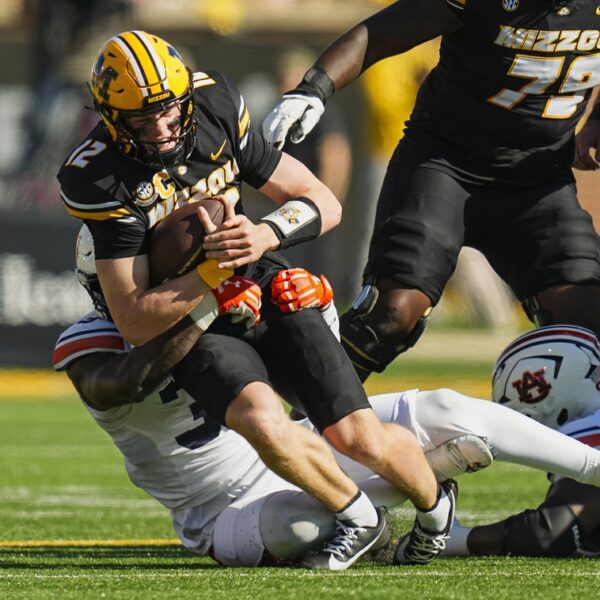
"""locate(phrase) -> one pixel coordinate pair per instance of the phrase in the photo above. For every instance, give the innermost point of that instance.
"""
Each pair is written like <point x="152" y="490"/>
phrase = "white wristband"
<point x="295" y="221"/>
<point x="205" y="312"/>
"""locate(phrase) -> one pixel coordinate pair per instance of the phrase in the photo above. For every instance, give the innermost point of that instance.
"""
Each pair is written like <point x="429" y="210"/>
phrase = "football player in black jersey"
<point x="168" y="137"/>
<point x="485" y="161"/>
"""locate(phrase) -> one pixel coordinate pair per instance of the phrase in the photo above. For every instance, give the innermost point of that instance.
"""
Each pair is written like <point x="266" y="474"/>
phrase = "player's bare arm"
<point x="392" y="31"/>
<point x="239" y="241"/>
<point x="140" y="311"/>
<point x="395" y="29"/>
<point x="104" y="381"/>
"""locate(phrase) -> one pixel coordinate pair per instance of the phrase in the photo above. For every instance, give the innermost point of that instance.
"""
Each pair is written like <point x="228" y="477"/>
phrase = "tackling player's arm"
<point x="558" y="527"/>
<point x="107" y="380"/>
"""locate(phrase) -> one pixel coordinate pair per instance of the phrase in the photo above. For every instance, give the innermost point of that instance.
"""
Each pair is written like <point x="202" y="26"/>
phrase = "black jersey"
<point x="121" y="199"/>
<point x="511" y="84"/>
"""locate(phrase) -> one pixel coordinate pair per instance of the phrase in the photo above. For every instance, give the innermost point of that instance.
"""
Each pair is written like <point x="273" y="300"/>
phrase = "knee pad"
<point x="465" y="454"/>
<point x="236" y="537"/>
<point x="535" y="313"/>
<point x="293" y="524"/>
<point x="550" y="530"/>
<point x="362" y="344"/>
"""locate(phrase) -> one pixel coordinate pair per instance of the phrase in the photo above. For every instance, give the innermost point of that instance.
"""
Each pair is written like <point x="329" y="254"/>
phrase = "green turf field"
<point x="72" y="526"/>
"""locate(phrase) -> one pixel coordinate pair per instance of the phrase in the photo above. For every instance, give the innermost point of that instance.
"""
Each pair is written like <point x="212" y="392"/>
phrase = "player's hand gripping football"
<point x="296" y="114"/>
<point x="588" y="139"/>
<point x="295" y="289"/>
<point x="239" y="297"/>
<point x="238" y="241"/>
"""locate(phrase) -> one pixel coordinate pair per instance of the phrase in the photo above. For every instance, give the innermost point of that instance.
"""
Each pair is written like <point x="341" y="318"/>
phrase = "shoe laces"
<point x="423" y="545"/>
<point x="343" y="541"/>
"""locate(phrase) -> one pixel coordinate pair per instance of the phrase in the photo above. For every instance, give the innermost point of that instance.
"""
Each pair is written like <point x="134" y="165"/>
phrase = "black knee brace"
<point x="535" y="313"/>
<point x="550" y="530"/>
<point x="361" y="343"/>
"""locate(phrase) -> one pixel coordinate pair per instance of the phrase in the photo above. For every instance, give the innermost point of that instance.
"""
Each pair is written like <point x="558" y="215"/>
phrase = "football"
<point x="176" y="241"/>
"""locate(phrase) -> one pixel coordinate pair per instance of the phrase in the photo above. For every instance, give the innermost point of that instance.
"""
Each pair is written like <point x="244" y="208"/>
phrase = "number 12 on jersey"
<point x="583" y="73"/>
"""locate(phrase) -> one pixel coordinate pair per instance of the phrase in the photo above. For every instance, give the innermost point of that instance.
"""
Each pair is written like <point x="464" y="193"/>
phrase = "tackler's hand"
<point x="295" y="289"/>
<point x="240" y="297"/>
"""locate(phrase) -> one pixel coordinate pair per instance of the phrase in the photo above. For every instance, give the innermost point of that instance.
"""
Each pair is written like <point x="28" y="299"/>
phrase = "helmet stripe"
<point x="551" y="335"/>
<point x="157" y="63"/>
<point x="135" y="64"/>
<point x="580" y="333"/>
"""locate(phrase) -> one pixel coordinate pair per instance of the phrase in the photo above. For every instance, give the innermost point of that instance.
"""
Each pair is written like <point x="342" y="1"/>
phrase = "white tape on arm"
<point x="205" y="312"/>
<point x="295" y="221"/>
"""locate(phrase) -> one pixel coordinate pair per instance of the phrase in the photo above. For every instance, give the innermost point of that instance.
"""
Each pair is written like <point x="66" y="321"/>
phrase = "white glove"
<point x="296" y="114"/>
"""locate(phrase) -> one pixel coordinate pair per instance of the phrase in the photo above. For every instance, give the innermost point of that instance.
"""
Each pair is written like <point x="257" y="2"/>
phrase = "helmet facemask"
<point x="149" y="152"/>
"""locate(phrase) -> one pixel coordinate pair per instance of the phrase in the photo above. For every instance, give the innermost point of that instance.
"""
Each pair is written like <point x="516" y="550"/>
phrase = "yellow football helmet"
<point x="138" y="73"/>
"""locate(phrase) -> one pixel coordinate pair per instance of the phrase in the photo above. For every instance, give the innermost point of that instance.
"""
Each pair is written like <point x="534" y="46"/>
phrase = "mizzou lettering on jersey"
<point x="548" y="41"/>
<point x="121" y="199"/>
<point x="171" y="199"/>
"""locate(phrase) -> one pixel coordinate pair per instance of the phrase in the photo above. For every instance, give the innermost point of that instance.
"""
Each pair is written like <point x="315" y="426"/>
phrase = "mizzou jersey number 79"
<point x="520" y="70"/>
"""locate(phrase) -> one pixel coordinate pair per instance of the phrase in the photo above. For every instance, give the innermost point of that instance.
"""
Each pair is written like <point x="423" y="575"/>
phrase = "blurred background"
<point x="47" y="48"/>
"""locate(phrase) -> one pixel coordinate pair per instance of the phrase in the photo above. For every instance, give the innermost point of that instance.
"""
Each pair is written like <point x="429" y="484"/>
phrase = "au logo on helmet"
<point x="532" y="382"/>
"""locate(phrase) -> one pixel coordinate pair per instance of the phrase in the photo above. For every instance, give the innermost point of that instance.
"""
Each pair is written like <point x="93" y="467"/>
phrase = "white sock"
<point x="359" y="510"/>
<point x="457" y="544"/>
<point x="436" y="518"/>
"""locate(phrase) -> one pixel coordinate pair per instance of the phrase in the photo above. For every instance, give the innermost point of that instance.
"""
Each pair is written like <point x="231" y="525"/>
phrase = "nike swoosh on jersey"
<point x="215" y="155"/>
<point x="598" y="10"/>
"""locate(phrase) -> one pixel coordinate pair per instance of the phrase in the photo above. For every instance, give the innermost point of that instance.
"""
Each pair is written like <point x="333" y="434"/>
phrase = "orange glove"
<point x="295" y="289"/>
<point x="241" y="298"/>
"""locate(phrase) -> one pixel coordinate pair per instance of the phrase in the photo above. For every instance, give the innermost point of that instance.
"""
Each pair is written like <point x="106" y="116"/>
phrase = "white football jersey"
<point x="172" y="449"/>
<point x="585" y="430"/>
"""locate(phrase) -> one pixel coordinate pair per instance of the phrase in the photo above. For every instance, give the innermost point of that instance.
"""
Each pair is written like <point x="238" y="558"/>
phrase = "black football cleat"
<point x="420" y="546"/>
<point x="349" y="544"/>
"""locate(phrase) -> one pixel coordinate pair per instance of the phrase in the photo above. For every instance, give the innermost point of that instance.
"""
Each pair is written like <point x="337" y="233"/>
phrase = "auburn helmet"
<point x="85" y="259"/>
<point x="136" y="74"/>
<point x="551" y="374"/>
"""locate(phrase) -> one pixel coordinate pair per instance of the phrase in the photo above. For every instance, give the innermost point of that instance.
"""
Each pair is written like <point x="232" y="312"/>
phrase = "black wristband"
<point x="295" y="221"/>
<point x="316" y="83"/>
